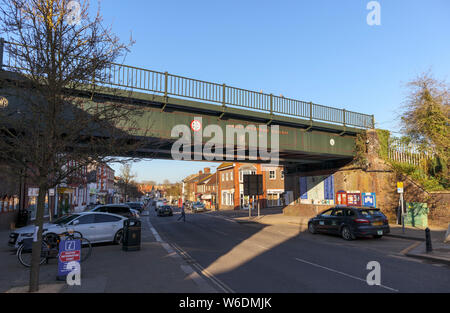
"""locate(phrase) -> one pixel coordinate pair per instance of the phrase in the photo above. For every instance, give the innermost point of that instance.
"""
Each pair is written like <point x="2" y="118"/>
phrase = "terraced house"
<point x="231" y="188"/>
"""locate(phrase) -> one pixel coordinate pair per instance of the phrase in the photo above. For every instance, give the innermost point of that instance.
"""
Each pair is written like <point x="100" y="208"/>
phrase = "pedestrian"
<point x="183" y="214"/>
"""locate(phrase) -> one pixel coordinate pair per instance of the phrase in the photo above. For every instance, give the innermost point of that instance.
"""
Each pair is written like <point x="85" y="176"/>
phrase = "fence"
<point x="124" y="76"/>
<point x="408" y="153"/>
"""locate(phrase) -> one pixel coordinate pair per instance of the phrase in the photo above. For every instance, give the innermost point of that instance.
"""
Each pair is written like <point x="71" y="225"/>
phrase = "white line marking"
<point x="192" y="274"/>
<point x="345" y="274"/>
<point x="221" y="285"/>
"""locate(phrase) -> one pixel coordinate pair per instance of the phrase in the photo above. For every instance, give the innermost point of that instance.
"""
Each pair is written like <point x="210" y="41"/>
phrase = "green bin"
<point x="416" y="214"/>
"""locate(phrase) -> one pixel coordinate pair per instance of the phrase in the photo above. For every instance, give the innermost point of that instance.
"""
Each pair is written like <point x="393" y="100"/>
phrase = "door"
<point x="336" y="220"/>
<point x="85" y="224"/>
<point x="106" y="226"/>
<point x="323" y="220"/>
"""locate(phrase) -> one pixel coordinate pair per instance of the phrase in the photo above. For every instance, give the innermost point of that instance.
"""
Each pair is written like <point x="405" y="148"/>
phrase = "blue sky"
<point x="321" y="51"/>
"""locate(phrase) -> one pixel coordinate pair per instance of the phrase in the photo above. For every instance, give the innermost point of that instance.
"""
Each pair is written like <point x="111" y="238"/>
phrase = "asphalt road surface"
<point x="247" y="258"/>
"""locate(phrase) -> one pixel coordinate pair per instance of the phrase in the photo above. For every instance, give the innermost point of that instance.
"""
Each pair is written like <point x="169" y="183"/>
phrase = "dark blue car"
<point x="350" y="222"/>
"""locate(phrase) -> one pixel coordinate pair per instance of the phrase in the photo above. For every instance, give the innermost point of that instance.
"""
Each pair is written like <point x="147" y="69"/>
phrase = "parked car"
<point x="89" y="207"/>
<point x="95" y="226"/>
<point x="165" y="210"/>
<point x="198" y="207"/>
<point x="139" y="206"/>
<point x="120" y="209"/>
<point x="350" y="222"/>
<point x="158" y="204"/>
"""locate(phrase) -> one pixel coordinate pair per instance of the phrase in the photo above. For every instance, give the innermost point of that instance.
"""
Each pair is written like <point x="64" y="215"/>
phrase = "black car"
<point x="136" y="205"/>
<point x="119" y="209"/>
<point x="350" y="222"/>
<point x="165" y="210"/>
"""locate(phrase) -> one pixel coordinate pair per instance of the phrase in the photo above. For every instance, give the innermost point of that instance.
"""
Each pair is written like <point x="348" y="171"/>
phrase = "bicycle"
<point x="50" y="247"/>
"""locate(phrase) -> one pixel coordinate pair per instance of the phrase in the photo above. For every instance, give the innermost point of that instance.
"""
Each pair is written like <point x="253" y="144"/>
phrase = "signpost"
<point x="253" y="186"/>
<point x="400" y="191"/>
<point x="69" y="251"/>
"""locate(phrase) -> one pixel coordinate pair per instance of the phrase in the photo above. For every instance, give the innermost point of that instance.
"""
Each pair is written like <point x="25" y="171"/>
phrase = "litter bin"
<point x="417" y="214"/>
<point x="22" y="218"/>
<point x="131" y="235"/>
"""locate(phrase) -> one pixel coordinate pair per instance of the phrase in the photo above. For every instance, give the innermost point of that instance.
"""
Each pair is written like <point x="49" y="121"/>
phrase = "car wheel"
<point x="312" y="228"/>
<point x="377" y="236"/>
<point x="346" y="233"/>
<point x="118" y="237"/>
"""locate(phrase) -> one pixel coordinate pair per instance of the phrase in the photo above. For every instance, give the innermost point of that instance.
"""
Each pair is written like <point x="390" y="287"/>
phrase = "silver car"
<point x="198" y="207"/>
<point x="95" y="226"/>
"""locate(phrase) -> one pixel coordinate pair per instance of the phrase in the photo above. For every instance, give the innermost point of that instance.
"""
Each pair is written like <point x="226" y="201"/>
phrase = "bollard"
<point x="428" y="240"/>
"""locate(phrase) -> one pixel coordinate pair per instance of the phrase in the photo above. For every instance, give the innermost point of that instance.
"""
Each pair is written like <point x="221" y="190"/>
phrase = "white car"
<point x="120" y="209"/>
<point x="95" y="226"/>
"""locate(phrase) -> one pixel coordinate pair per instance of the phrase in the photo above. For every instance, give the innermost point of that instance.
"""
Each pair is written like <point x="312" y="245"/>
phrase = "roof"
<point x="204" y="179"/>
<point x="225" y="165"/>
<point x="213" y="180"/>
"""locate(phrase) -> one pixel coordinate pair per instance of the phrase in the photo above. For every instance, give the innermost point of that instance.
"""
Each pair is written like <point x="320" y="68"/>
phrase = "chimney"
<point x="207" y="170"/>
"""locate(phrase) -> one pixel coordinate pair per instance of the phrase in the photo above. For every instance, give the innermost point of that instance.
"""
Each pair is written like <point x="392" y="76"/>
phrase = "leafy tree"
<point x="426" y="120"/>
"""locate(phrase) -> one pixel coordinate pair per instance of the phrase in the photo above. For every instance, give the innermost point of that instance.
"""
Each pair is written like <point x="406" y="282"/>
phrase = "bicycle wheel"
<point x="86" y="248"/>
<point x="24" y="254"/>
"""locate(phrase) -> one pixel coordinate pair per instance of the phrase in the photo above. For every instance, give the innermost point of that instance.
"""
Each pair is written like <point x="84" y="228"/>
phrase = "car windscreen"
<point x="371" y="213"/>
<point x="65" y="219"/>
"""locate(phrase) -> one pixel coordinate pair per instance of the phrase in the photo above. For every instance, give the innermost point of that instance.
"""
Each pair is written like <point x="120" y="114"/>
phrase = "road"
<point x="247" y="258"/>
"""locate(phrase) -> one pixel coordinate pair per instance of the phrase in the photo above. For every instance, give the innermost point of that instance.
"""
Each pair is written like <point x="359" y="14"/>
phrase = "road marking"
<point x="221" y="285"/>
<point x="192" y="274"/>
<point x="405" y="251"/>
<point x="220" y="217"/>
<point x="342" y="273"/>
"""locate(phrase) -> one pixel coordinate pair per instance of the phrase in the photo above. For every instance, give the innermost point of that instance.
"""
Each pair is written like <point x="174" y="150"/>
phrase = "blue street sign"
<point x="69" y="251"/>
<point x="369" y="199"/>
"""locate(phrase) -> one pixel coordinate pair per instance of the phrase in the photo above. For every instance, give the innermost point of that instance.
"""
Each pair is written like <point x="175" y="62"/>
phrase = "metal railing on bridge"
<point x="129" y="77"/>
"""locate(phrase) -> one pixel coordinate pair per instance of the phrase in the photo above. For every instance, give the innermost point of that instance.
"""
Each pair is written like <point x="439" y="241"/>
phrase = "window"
<point x="101" y="218"/>
<point x="86" y="219"/>
<point x="327" y="212"/>
<point x="349" y="212"/>
<point x="272" y="175"/>
<point x="338" y="212"/>
<point x="282" y="174"/>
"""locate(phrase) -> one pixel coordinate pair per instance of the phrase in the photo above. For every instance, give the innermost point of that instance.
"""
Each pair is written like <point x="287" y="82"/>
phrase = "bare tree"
<point x="55" y="124"/>
<point x="126" y="180"/>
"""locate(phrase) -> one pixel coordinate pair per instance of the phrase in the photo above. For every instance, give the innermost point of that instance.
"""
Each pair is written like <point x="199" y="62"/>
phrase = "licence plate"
<point x="380" y="232"/>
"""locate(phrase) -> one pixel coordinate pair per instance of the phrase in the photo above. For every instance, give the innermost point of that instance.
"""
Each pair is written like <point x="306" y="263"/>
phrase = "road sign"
<point x="196" y="125"/>
<point x="399" y="187"/>
<point x="369" y="199"/>
<point x="253" y="185"/>
<point x="69" y="251"/>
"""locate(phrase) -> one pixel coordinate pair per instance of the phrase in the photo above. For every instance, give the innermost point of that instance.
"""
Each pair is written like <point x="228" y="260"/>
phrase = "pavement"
<point x="275" y="216"/>
<point x="109" y="269"/>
